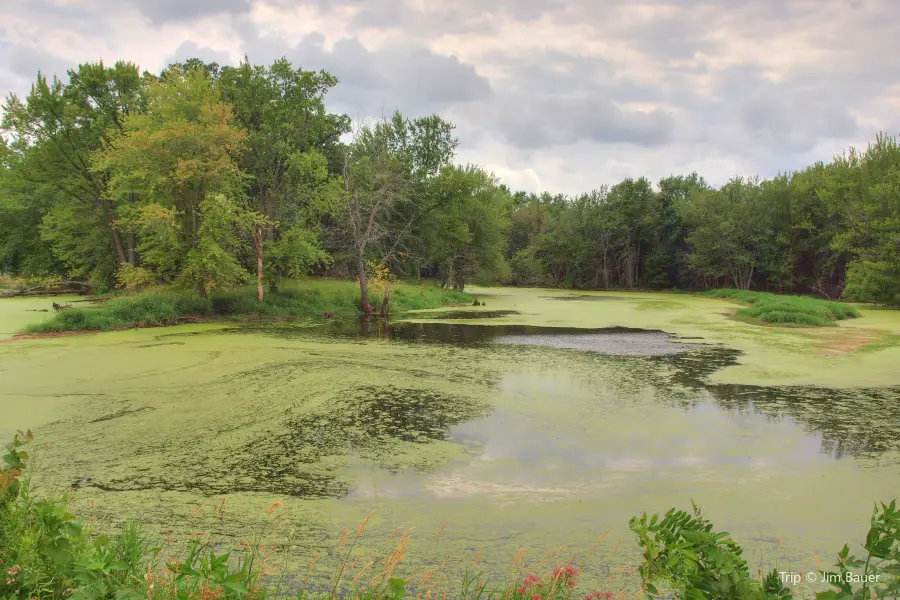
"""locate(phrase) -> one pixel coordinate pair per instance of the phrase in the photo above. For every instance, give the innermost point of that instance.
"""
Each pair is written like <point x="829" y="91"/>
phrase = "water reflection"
<point x="856" y="422"/>
<point x="848" y="422"/>
<point x="611" y="340"/>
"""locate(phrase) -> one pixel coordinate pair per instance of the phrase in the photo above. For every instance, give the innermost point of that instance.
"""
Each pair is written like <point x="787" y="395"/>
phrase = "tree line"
<point x="207" y="176"/>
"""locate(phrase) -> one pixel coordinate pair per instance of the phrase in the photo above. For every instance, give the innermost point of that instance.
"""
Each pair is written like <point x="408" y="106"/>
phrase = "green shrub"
<point x="874" y="281"/>
<point x="684" y="553"/>
<point x="300" y="300"/>
<point x="802" y="311"/>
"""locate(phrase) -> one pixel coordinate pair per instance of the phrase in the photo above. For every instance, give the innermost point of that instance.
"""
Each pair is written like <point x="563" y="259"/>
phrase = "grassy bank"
<point x="309" y="299"/>
<point x="48" y="552"/>
<point x="798" y="311"/>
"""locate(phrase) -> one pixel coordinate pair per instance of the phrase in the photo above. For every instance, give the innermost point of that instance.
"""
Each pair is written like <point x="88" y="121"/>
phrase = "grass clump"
<point x="797" y="311"/>
<point x="309" y="299"/>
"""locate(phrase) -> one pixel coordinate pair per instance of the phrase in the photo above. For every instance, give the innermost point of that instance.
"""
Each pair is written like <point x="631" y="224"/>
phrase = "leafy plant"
<point x="879" y="572"/>
<point x="683" y="552"/>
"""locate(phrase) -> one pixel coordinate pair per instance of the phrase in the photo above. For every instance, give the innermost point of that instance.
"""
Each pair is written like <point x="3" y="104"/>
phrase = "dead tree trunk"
<point x="385" y="309"/>
<point x="364" y="305"/>
<point x="257" y="246"/>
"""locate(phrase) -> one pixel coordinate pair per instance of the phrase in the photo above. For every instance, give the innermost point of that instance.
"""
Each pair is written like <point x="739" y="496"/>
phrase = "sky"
<point x="551" y="95"/>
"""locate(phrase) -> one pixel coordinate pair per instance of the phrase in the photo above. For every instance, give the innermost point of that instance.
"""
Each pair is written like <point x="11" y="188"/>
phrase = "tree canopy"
<point x="207" y="175"/>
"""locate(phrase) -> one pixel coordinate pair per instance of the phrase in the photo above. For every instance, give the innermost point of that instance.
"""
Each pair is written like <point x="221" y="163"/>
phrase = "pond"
<point x="516" y="430"/>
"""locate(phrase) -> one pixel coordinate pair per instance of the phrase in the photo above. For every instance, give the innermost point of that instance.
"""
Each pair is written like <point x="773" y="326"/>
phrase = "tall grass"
<point x="798" y="311"/>
<point x="310" y="299"/>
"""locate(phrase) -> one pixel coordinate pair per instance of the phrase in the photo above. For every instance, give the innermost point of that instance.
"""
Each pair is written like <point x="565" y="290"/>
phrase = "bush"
<point x="307" y="300"/>
<point x="874" y="282"/>
<point x="683" y="552"/>
<point x="786" y="310"/>
<point x="133" y="278"/>
<point x="525" y="268"/>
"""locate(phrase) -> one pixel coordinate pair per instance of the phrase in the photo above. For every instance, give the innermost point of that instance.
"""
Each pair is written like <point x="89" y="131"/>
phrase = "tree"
<point x="466" y="232"/>
<point x="872" y="235"/>
<point x="283" y="112"/>
<point x="387" y="168"/>
<point x="725" y="232"/>
<point x="53" y="133"/>
<point x="165" y="163"/>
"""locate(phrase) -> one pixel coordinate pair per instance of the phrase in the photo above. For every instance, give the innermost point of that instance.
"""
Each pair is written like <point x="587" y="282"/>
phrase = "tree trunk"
<point x="129" y="239"/>
<point x="363" y="284"/>
<point x="116" y="236"/>
<point x="120" y="247"/>
<point x="385" y="309"/>
<point x="257" y="246"/>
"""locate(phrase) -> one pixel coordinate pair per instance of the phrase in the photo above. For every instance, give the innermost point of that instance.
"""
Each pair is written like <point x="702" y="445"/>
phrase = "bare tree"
<point x="374" y="183"/>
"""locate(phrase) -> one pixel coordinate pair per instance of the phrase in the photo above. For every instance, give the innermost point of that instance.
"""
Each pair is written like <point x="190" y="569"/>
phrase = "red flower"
<point x="521" y="589"/>
<point x="571" y="584"/>
<point x="535" y="597"/>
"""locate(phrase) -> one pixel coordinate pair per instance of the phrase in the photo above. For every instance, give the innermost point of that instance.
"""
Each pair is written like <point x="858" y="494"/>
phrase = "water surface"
<point x="514" y="433"/>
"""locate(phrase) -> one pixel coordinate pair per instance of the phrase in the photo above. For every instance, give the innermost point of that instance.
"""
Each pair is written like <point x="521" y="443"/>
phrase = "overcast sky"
<point x="557" y="95"/>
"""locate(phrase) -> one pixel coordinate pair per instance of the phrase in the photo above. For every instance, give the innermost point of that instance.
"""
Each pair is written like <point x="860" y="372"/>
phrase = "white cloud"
<point x="562" y="96"/>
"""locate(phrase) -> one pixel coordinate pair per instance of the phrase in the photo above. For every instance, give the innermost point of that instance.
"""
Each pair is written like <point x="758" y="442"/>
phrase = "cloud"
<point x="190" y="49"/>
<point x="552" y="94"/>
<point x="169" y="11"/>
<point x="554" y="121"/>
<point x="398" y="75"/>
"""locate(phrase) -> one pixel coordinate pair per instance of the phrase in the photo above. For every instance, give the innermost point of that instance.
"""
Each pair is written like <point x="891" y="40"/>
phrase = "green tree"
<point x="466" y="231"/>
<point x="872" y="235"/>
<point x="53" y="133"/>
<point x="289" y="136"/>
<point x="387" y="169"/>
<point x="163" y="165"/>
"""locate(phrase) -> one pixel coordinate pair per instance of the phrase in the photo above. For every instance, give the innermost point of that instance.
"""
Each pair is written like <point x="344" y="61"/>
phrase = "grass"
<point x="790" y="311"/>
<point x="309" y="299"/>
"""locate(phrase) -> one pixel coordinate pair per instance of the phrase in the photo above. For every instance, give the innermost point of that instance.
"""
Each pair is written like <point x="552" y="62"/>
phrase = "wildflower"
<point x="521" y="589"/>
<point x="535" y="597"/>
<point x="571" y="583"/>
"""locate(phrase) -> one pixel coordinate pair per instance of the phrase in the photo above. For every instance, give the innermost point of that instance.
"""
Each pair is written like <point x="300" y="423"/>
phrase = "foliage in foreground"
<point x="47" y="552"/>
<point x="312" y="300"/>
<point x="787" y="310"/>
<point x="682" y="551"/>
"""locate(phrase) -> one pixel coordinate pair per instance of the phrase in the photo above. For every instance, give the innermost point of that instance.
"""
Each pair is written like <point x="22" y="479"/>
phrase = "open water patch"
<point x="467" y="314"/>
<point x="616" y="341"/>
<point x="590" y="298"/>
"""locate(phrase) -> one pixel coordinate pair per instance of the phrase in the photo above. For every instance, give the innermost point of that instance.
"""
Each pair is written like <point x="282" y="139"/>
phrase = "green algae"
<point x="513" y="445"/>
<point x="18" y="313"/>
<point x="771" y="355"/>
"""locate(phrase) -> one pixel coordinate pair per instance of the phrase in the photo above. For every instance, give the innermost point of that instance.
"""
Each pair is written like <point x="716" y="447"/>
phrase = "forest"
<point x="208" y="177"/>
